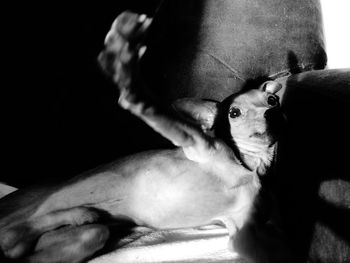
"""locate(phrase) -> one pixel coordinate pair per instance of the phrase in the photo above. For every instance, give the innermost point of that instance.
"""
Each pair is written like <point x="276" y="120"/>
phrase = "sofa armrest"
<point x="313" y="165"/>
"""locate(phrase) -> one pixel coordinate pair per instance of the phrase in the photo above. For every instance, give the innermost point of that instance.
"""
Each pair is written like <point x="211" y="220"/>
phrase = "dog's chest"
<point x="186" y="193"/>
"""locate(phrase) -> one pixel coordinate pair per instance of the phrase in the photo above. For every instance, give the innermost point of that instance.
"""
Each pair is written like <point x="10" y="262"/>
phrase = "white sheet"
<point x="6" y="189"/>
<point x="184" y="245"/>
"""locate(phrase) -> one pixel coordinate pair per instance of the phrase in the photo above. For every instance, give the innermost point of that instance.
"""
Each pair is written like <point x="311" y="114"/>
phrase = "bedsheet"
<point x="208" y="244"/>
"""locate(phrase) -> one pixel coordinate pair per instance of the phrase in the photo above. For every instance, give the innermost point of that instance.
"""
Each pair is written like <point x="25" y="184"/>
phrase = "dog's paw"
<point x="124" y="47"/>
<point x="70" y="244"/>
<point x="20" y="236"/>
<point x="17" y="239"/>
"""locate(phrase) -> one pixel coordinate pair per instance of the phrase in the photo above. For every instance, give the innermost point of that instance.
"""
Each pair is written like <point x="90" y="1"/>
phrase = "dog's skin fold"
<point x="205" y="180"/>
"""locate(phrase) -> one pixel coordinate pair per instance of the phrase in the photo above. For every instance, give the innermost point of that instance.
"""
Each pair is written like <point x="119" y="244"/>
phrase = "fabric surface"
<point x="209" y="49"/>
<point x="6" y="189"/>
<point x="313" y="165"/>
<point x="184" y="245"/>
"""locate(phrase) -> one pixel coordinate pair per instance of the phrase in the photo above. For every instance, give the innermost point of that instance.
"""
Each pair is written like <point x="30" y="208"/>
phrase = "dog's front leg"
<point x="120" y="58"/>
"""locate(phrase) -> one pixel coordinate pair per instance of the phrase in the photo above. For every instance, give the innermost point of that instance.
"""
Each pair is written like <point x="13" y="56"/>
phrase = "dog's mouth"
<point x="275" y="127"/>
<point x="259" y="135"/>
<point x="266" y="137"/>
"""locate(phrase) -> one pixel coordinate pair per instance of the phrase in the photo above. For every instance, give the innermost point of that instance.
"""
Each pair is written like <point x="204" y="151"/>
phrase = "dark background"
<point x="60" y="112"/>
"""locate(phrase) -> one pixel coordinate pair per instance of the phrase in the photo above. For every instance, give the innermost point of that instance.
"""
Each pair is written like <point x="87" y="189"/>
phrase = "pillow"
<point x="209" y="49"/>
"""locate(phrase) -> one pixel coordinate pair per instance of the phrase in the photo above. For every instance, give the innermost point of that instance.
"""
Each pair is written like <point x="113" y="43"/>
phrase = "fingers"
<point x="18" y="239"/>
<point x="69" y="244"/>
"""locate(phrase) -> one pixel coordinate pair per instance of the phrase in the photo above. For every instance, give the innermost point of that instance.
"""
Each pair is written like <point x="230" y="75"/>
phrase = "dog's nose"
<point x="273" y="100"/>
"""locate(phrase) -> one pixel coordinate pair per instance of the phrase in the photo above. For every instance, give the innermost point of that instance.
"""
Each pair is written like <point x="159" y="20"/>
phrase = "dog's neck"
<point x="255" y="156"/>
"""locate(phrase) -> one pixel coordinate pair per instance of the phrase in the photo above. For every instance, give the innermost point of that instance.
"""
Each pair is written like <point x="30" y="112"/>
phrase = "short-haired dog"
<point x="212" y="176"/>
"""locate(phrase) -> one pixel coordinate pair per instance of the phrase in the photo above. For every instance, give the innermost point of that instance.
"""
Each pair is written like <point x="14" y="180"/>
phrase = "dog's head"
<point x="252" y="117"/>
<point x="250" y="120"/>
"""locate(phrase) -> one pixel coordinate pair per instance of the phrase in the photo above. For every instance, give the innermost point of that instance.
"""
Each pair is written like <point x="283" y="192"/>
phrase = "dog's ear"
<point x="202" y="112"/>
<point x="271" y="86"/>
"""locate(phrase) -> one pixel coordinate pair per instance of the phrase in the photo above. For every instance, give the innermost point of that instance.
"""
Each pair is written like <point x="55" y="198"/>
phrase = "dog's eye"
<point x="235" y="112"/>
<point x="272" y="100"/>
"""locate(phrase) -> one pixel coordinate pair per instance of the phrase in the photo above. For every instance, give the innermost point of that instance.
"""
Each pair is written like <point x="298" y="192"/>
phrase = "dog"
<point x="211" y="177"/>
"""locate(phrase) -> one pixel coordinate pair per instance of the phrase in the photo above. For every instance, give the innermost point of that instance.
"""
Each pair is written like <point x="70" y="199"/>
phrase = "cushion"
<point x="312" y="183"/>
<point x="209" y="49"/>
